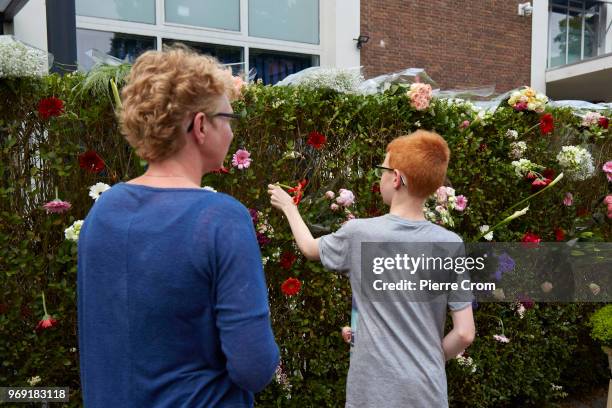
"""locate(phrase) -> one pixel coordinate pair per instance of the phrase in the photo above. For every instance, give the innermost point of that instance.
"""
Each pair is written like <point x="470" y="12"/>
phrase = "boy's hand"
<point x="279" y="197"/>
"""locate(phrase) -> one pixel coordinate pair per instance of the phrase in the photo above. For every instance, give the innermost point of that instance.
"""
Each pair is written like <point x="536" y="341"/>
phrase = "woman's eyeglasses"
<point x="240" y="115"/>
<point x="378" y="171"/>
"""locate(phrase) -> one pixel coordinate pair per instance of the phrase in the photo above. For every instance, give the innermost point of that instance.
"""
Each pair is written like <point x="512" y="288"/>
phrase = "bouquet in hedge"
<point x="444" y="205"/>
<point x="527" y="99"/>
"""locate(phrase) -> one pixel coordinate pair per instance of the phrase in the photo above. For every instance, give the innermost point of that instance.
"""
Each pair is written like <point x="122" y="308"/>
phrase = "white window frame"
<point x="162" y="30"/>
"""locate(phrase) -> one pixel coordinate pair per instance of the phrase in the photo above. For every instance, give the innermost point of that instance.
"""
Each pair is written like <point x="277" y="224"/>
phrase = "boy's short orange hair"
<point x="423" y="158"/>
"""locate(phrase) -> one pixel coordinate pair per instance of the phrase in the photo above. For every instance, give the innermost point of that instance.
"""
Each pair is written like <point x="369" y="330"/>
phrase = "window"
<point x="226" y="54"/>
<point x="289" y="20"/>
<point x="139" y="11"/>
<point x="577" y="30"/>
<point x="123" y="46"/>
<point x="223" y="14"/>
<point x="273" y="66"/>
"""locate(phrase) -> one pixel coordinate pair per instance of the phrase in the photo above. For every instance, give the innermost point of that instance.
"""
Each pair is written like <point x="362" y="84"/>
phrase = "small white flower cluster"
<point x="274" y="257"/>
<point x="523" y="167"/>
<point x="72" y="232"/>
<point x="338" y="79"/>
<point x="209" y="188"/>
<point x="263" y="226"/>
<point x="33" y="381"/>
<point x="512" y="134"/>
<point x="517" y="149"/>
<point x="576" y="162"/>
<point x="466" y="362"/>
<point x="281" y="378"/>
<point x="19" y="60"/>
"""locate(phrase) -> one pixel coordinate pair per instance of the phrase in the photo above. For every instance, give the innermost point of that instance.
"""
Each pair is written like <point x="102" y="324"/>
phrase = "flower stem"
<point x="283" y="185"/>
<point x="56" y="194"/>
<point x="555" y="181"/>
<point x="44" y="304"/>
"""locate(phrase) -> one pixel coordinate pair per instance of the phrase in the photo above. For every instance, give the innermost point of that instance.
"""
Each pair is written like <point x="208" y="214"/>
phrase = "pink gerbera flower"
<point x="57" y="206"/>
<point x="241" y="159"/>
<point x="460" y="203"/>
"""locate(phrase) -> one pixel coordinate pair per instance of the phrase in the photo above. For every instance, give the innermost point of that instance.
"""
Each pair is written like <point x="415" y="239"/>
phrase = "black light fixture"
<point x="362" y="39"/>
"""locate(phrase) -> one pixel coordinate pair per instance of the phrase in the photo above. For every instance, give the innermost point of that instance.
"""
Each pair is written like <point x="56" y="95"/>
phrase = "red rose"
<point x="48" y="107"/>
<point x="559" y="234"/>
<point x="291" y="287"/>
<point x="316" y="140"/>
<point x="546" y="123"/>
<point x="603" y="122"/>
<point x="299" y="191"/>
<point x="376" y="188"/>
<point x="531" y="237"/>
<point x="46" y="323"/>
<point x="287" y="260"/>
<point x="90" y="161"/>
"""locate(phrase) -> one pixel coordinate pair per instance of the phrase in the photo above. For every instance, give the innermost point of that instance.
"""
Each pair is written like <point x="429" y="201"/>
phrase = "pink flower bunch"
<point x="241" y="159"/>
<point x="607" y="168"/>
<point x="608" y="202"/>
<point x="420" y="96"/>
<point x="345" y="198"/>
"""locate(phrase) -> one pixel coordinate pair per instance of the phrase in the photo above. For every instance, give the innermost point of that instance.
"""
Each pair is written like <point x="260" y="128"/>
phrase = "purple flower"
<point x="505" y="263"/>
<point x="262" y="239"/>
<point x="254" y="215"/>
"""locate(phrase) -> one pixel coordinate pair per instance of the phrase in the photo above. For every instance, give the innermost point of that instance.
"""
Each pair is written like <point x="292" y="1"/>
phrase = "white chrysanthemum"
<point x="97" y="189"/>
<point x="73" y="231"/>
<point x="576" y="162"/>
<point x="209" y="188"/>
<point x="523" y="166"/>
<point x="485" y="228"/>
<point x="517" y="149"/>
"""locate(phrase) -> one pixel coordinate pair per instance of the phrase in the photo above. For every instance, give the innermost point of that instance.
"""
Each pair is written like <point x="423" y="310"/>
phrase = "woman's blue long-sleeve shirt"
<point x="172" y="301"/>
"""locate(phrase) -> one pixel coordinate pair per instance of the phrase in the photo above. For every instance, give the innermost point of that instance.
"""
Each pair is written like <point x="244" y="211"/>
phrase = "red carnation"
<point x="287" y="260"/>
<point x="48" y="107"/>
<point x="546" y="123"/>
<point x="559" y="234"/>
<point x="316" y="139"/>
<point x="299" y="191"/>
<point x="531" y="238"/>
<point x="90" y="161"/>
<point x="46" y="323"/>
<point x="531" y="176"/>
<point x="549" y="174"/>
<point x="603" y="122"/>
<point x="291" y="287"/>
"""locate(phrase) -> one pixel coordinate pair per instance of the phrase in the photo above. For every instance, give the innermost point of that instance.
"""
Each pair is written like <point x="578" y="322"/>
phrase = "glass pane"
<point x="591" y="31"/>
<point x="226" y="54"/>
<point x="140" y="11"/>
<point x="273" y="66"/>
<point x="557" y="31"/>
<point x="574" y="40"/>
<point x="289" y="20"/>
<point x="123" y="46"/>
<point x="204" y="13"/>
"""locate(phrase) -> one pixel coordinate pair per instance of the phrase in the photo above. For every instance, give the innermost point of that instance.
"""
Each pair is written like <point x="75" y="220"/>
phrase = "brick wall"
<point x="458" y="43"/>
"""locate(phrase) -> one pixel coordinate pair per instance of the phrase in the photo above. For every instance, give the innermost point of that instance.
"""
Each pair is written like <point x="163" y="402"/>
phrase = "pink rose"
<point x="345" y="198"/>
<point x="334" y="207"/>
<point x="330" y="195"/>
<point x="464" y="124"/>
<point x="607" y="168"/>
<point x="568" y="200"/>
<point x="608" y="199"/>
<point x="441" y="195"/>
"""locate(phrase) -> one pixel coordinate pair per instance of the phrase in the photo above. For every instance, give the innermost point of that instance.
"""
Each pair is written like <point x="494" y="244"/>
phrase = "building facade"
<point x="560" y="47"/>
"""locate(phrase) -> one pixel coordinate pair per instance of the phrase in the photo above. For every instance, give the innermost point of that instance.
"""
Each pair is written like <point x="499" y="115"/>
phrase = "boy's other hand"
<point x="279" y="198"/>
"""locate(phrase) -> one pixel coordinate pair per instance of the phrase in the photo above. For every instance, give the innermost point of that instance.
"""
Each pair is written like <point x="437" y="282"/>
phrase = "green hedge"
<point x="39" y="156"/>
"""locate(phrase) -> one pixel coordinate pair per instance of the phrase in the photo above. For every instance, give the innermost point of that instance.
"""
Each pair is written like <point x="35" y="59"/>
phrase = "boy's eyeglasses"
<point x="378" y="171"/>
<point x="240" y="115"/>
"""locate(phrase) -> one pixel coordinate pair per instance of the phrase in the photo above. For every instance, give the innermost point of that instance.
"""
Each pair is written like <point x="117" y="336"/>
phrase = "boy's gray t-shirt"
<point x="397" y="359"/>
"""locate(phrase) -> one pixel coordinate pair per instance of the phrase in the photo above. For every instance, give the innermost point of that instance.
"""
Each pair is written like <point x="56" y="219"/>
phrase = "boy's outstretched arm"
<point x="309" y="246"/>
